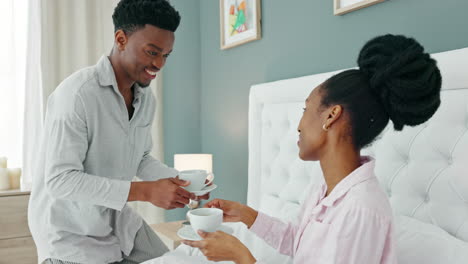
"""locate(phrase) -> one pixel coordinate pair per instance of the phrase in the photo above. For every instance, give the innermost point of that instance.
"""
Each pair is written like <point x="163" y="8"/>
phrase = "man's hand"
<point x="164" y="193"/>
<point x="203" y="197"/>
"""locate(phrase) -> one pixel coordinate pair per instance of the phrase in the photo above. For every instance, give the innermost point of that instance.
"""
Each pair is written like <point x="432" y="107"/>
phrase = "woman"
<point x="347" y="218"/>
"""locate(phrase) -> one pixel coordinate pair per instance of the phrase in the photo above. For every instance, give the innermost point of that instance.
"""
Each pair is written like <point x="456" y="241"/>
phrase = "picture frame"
<point x="342" y="7"/>
<point x="240" y="22"/>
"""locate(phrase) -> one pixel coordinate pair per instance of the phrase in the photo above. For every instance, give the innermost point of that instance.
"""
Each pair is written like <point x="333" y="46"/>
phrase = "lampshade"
<point x="193" y="162"/>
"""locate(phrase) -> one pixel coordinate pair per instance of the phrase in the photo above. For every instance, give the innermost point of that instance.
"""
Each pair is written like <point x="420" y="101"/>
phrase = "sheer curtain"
<point x="75" y="34"/>
<point x="33" y="96"/>
<point x="13" y="18"/>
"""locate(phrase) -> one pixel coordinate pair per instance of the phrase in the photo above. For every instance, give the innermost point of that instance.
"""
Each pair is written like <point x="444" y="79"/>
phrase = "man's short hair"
<point x="132" y="15"/>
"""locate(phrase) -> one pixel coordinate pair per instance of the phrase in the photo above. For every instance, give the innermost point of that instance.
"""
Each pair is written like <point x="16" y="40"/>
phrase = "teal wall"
<point x="300" y="37"/>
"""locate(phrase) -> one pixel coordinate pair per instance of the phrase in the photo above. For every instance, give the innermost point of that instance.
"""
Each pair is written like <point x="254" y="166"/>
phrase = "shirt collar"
<point x="105" y="72"/>
<point x="106" y="77"/>
<point x="361" y="174"/>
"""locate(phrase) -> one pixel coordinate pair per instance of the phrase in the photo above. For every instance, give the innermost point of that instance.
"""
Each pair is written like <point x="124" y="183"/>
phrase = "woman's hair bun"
<point x="404" y="78"/>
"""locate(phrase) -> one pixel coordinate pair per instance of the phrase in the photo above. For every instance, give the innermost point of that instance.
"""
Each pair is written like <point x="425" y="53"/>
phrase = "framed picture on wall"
<point x="239" y="22"/>
<point x="342" y="7"/>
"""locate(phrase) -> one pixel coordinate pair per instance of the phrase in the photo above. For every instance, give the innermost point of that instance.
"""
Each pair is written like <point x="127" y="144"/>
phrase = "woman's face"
<point x="312" y="137"/>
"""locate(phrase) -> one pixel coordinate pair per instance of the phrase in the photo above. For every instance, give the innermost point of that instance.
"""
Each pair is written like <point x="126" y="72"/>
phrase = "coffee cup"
<point x="197" y="179"/>
<point x="205" y="219"/>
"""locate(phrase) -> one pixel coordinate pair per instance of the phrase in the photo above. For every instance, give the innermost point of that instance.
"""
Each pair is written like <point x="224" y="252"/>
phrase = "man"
<point x="96" y="139"/>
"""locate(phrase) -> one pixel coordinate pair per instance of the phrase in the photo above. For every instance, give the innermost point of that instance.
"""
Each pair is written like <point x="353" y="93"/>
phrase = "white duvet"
<point x="185" y="254"/>
<point x="418" y="243"/>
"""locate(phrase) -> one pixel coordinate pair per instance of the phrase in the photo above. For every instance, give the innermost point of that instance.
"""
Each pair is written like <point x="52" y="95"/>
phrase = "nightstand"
<point x="16" y="243"/>
<point x="168" y="233"/>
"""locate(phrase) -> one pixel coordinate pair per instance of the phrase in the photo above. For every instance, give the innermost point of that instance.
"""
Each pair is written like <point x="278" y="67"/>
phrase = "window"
<point x="13" y="18"/>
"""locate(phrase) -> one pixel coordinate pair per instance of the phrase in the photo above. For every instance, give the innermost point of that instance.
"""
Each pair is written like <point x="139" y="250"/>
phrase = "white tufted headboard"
<point x="423" y="169"/>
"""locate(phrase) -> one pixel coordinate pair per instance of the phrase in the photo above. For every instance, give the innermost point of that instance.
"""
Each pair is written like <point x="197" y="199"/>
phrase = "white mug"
<point x="205" y="219"/>
<point x="197" y="179"/>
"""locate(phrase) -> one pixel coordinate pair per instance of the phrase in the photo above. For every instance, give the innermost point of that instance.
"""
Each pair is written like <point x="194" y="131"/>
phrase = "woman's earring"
<point x="324" y="127"/>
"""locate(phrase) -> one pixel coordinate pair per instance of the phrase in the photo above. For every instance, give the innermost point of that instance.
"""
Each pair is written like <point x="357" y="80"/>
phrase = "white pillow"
<point x="423" y="243"/>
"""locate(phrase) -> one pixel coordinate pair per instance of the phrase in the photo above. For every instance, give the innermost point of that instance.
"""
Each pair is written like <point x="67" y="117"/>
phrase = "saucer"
<point x="205" y="190"/>
<point x="187" y="232"/>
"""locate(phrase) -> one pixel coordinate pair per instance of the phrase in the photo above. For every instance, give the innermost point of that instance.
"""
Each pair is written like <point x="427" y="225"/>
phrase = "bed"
<point x="423" y="169"/>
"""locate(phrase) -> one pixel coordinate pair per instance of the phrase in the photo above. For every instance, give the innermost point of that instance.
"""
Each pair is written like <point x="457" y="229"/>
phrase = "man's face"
<point x="145" y="53"/>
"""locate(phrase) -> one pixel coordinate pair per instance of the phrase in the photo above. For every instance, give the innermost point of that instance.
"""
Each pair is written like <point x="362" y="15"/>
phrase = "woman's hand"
<point x="234" y="211"/>
<point x="219" y="246"/>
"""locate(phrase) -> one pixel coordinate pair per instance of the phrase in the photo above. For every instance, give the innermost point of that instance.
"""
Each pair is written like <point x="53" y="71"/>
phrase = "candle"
<point x="3" y="162"/>
<point x="14" y="175"/>
<point x="4" y="180"/>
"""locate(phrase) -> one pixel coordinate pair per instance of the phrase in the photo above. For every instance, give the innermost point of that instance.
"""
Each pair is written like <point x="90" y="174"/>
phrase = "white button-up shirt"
<point x="90" y="151"/>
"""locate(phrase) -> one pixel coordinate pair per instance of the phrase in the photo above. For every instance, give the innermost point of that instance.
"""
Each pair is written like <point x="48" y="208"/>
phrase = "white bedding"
<point x="186" y="255"/>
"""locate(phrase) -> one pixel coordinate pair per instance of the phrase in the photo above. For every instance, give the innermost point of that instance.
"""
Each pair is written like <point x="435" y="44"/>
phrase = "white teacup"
<point x="205" y="219"/>
<point x="197" y="179"/>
